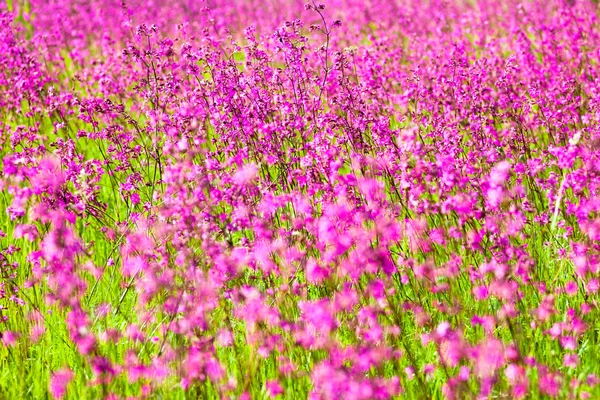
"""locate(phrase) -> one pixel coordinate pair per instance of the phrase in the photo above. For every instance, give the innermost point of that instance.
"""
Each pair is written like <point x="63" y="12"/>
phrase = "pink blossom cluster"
<point x="269" y="199"/>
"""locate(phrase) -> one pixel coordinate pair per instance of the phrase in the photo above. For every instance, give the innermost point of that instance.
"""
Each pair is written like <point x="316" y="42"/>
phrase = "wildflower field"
<point x="274" y="199"/>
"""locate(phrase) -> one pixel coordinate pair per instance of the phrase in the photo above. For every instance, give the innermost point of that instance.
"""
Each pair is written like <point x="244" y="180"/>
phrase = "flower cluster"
<point x="266" y="199"/>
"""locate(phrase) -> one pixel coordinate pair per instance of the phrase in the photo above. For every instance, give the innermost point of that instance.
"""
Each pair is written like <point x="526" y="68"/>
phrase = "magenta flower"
<point x="59" y="382"/>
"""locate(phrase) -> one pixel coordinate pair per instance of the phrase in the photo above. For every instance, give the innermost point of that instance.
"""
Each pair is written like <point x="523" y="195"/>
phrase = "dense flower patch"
<point x="243" y="199"/>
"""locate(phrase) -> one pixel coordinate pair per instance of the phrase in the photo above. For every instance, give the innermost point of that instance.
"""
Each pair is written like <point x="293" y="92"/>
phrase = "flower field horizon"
<point x="241" y="199"/>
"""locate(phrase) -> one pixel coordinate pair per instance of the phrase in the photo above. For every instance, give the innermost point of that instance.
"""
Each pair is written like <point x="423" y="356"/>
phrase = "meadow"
<point x="293" y="200"/>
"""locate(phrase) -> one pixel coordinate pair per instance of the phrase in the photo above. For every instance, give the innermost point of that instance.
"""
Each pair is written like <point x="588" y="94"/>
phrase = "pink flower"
<point x="9" y="338"/>
<point x="571" y="360"/>
<point x="29" y="232"/>
<point x="443" y="329"/>
<point x="59" y="382"/>
<point x="135" y="198"/>
<point x="490" y="357"/>
<point x="549" y="383"/>
<point x="246" y="174"/>
<point x="499" y="173"/>
<point x="224" y="338"/>
<point x="480" y="293"/>
<point x="571" y="288"/>
<point x="315" y="273"/>
<point x="274" y="388"/>
<point x="36" y="332"/>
